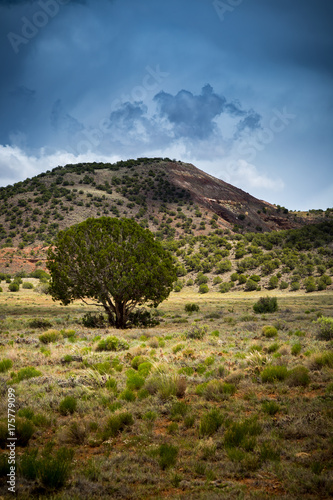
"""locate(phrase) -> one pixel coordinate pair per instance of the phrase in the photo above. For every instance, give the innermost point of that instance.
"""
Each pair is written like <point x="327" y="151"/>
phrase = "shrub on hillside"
<point x="203" y="288"/>
<point x="49" y="336"/>
<point x="274" y="373"/>
<point x="13" y="287"/>
<point x="325" y="328"/>
<point x="112" y="343"/>
<point x="266" y="305"/>
<point x="191" y="308"/>
<point x="27" y="285"/>
<point x="269" y="331"/>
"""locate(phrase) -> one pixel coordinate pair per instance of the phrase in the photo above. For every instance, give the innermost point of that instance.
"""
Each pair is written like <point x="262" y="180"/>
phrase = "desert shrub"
<point x="54" y="468"/>
<point x="178" y="410"/>
<point x="5" y="365"/>
<point x="250" y="285"/>
<point x="269" y="331"/>
<point x="134" y="381"/>
<point x="242" y="434"/>
<point x="190" y="307"/>
<point x="137" y="361"/>
<point x="217" y="280"/>
<point x="13" y="287"/>
<point x="27" y="413"/>
<point x="273" y="348"/>
<point x="273" y="373"/>
<point x="24" y="430"/>
<point x="325" y="328"/>
<point x="116" y="424"/>
<point x="283" y="285"/>
<point x="273" y="282"/>
<point x="294" y="286"/>
<point x="203" y="288"/>
<point x="145" y="368"/>
<point x="225" y="287"/>
<point x="127" y="395"/>
<point x="196" y="332"/>
<point x="270" y="407"/>
<point x="142" y="318"/>
<point x="268" y="452"/>
<point x="324" y="359"/>
<point x="310" y="284"/>
<point x="296" y="349"/>
<point x="27" y="285"/>
<point x="216" y="390"/>
<point x="1" y="290"/>
<point x="39" y="323"/>
<point x="68" y="405"/>
<point x="67" y="333"/>
<point x="28" y="464"/>
<point x="266" y="305"/>
<point x="90" y="320"/>
<point x="298" y="376"/>
<point x="210" y="422"/>
<point x="50" y="336"/>
<point x="76" y="433"/>
<point x="112" y="343"/>
<point x="26" y="373"/>
<point x="111" y="383"/>
<point x="167" y="455"/>
<point x="166" y="385"/>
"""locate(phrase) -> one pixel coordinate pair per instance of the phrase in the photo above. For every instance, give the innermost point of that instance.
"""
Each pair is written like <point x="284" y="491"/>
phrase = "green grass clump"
<point x="166" y="386"/>
<point x="68" y="405"/>
<point x="137" y="361"/>
<point x="270" y="407"/>
<point x="54" y="468"/>
<point x="242" y="434"/>
<point x="134" y="381"/>
<point x="167" y="455"/>
<point x="268" y="452"/>
<point x="24" y="430"/>
<point x="269" y="331"/>
<point x="145" y="368"/>
<point x="127" y="395"/>
<point x="266" y="305"/>
<point x="5" y="365"/>
<point x="296" y="349"/>
<point x="324" y="359"/>
<point x="298" y="376"/>
<point x="39" y="323"/>
<point x="196" y="332"/>
<point x="325" y="328"/>
<point x="111" y="383"/>
<point x="273" y="348"/>
<point x="215" y="390"/>
<point x="28" y="286"/>
<point x="178" y="410"/>
<point x="210" y="422"/>
<point x="112" y="343"/>
<point x="116" y="424"/>
<point x="26" y="373"/>
<point x="50" y="336"/>
<point x="274" y="373"/>
<point x="191" y="308"/>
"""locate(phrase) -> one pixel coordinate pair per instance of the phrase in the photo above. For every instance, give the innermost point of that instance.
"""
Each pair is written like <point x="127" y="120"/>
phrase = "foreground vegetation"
<point x="221" y="399"/>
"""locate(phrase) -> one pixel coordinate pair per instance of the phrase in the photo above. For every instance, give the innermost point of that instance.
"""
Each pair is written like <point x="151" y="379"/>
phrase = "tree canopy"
<point x="113" y="261"/>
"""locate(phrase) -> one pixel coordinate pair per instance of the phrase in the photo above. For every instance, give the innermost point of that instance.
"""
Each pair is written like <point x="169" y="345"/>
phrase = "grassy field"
<point x="216" y="403"/>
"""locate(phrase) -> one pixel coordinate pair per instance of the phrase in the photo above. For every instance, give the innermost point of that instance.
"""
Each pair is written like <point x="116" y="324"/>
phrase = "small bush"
<point x="273" y="348"/>
<point x="210" y="422"/>
<point x="5" y="365"/>
<point x="203" y="288"/>
<point x="225" y="287"/>
<point x="28" y="286"/>
<point x="298" y="376"/>
<point x="250" y="285"/>
<point x="145" y="368"/>
<point x="54" y="469"/>
<point x="296" y="349"/>
<point x="166" y="385"/>
<point x="39" y="323"/>
<point x="266" y="305"/>
<point x="269" y="331"/>
<point x="196" y="332"/>
<point x="24" y="430"/>
<point x="116" y="424"/>
<point x="283" y="285"/>
<point x="270" y="407"/>
<point x="242" y="434"/>
<point x="14" y="287"/>
<point x="28" y="464"/>
<point x="90" y="320"/>
<point x="134" y="381"/>
<point x="127" y="395"/>
<point x="294" y="286"/>
<point x="325" y="328"/>
<point x="111" y="383"/>
<point x="112" y="344"/>
<point x="68" y="405"/>
<point x="324" y="359"/>
<point x="49" y="336"/>
<point x="136" y="361"/>
<point x="273" y="373"/>
<point x="191" y="308"/>
<point x="26" y="373"/>
<point x="216" y="390"/>
<point x="167" y="455"/>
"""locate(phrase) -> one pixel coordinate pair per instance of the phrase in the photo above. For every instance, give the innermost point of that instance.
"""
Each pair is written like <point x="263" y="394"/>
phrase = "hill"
<point x="212" y="227"/>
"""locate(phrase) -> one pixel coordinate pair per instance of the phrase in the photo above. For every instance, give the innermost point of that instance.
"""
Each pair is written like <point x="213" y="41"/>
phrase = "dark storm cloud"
<point x="194" y="116"/>
<point x="60" y="120"/>
<point x="128" y="114"/>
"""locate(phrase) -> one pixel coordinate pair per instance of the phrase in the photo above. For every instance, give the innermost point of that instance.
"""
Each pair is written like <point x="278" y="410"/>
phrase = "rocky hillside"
<point x="169" y="197"/>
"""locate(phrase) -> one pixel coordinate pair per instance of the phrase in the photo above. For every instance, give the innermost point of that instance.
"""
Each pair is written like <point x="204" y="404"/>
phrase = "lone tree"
<point x="113" y="261"/>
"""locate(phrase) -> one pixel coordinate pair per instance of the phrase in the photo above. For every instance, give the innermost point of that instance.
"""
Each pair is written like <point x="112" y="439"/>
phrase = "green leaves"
<point x="114" y="261"/>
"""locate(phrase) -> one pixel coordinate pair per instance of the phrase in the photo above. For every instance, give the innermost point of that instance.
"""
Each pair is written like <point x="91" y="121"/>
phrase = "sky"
<point x="243" y="89"/>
